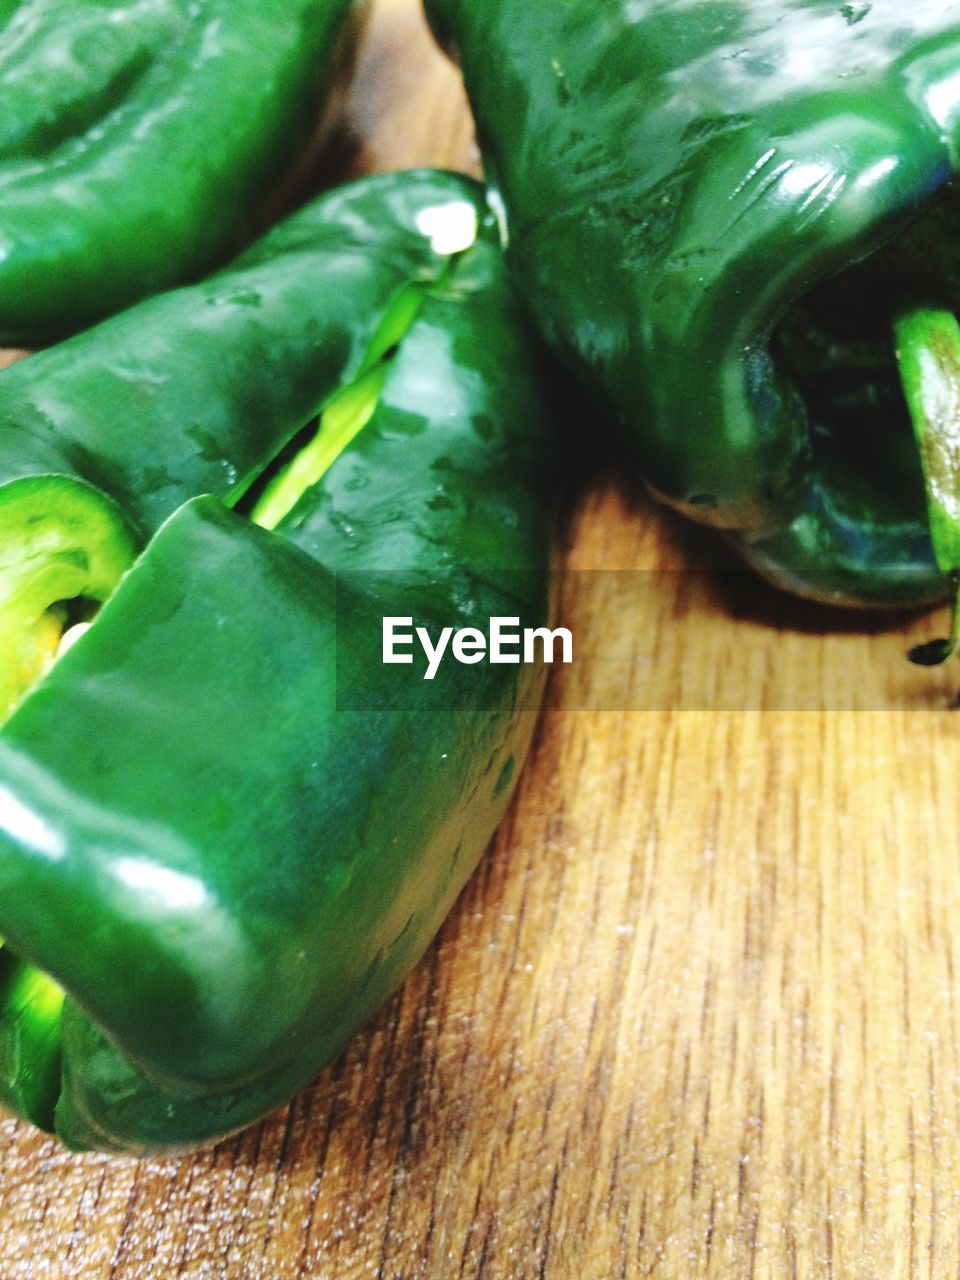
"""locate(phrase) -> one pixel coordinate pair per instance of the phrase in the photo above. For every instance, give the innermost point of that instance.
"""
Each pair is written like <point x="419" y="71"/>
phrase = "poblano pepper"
<point x="223" y="832"/>
<point x="718" y="212"/>
<point x="139" y="138"/>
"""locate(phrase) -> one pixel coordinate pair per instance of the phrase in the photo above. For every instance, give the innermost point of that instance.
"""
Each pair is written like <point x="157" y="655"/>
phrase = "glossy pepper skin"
<point x="230" y="837"/>
<point x="139" y="139"/>
<point x="678" y="182"/>
<point x="197" y="390"/>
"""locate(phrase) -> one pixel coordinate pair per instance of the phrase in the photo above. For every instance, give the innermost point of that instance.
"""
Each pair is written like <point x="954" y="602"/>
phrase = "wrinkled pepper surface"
<point x="718" y="212"/>
<point x="140" y="138"/>
<point x="222" y="833"/>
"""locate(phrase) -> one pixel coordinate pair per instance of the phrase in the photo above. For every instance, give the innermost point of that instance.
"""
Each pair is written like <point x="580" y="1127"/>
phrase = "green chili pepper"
<point x="717" y="211"/>
<point x="223" y="832"/>
<point x="138" y="139"/>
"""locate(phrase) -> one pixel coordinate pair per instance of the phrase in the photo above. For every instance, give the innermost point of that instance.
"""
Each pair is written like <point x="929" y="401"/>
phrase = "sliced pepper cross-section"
<point x="62" y="543"/>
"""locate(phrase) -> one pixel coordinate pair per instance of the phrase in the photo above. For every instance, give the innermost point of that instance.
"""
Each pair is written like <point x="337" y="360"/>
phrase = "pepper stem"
<point x="928" y="351"/>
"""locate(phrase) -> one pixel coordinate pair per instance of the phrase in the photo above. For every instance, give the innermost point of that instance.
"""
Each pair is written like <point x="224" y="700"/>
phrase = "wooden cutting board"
<point x="696" y="1015"/>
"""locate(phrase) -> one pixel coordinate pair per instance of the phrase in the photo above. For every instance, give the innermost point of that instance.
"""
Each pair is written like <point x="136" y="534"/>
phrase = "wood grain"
<point x="697" y="1014"/>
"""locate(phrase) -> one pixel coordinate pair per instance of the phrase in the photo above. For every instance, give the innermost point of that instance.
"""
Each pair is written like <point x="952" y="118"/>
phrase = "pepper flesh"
<point x="676" y="180"/>
<point x="268" y="863"/>
<point x="60" y="541"/>
<point x="140" y="139"/>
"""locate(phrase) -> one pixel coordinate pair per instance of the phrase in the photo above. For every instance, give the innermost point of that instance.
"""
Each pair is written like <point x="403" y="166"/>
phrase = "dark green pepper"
<point x="224" y="831"/>
<point x="139" y="138"/>
<point x="717" y="211"/>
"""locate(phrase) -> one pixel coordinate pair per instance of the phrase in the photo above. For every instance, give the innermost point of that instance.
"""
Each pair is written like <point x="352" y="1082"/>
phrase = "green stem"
<point x="928" y="351"/>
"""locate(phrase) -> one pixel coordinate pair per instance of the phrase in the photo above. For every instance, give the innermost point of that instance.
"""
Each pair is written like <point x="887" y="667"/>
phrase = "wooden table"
<point x="697" y="1014"/>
